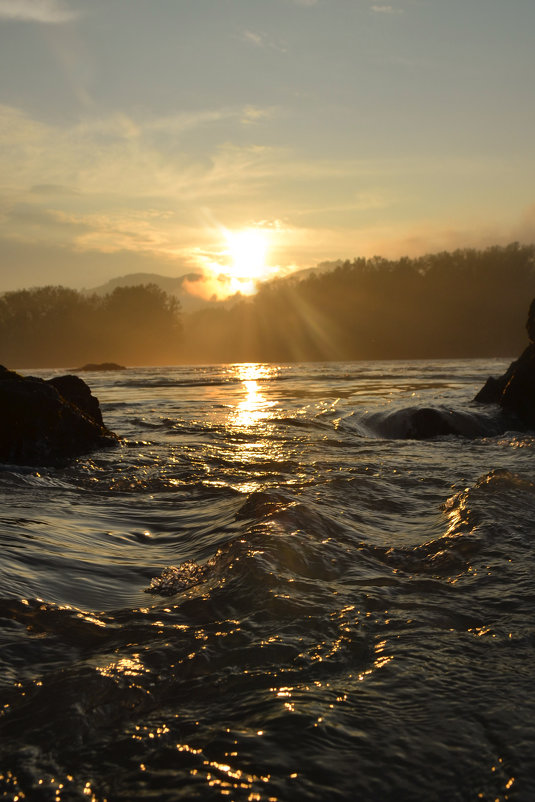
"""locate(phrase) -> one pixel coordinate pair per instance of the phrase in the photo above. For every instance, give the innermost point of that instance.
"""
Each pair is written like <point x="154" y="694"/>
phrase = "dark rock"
<point x="515" y="390"/>
<point x="519" y="392"/>
<point x="47" y="422"/>
<point x="75" y="390"/>
<point x="425" y="423"/>
<point x="530" y="325"/>
<point x="428" y="422"/>
<point x="98" y="366"/>
<point x="492" y="390"/>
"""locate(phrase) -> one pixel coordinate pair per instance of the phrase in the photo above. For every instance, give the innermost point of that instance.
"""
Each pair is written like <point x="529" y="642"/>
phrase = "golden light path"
<point x="255" y="406"/>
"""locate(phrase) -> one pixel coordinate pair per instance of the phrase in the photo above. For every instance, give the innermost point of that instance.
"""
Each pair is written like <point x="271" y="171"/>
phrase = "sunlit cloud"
<point x="113" y="186"/>
<point x="386" y="10"/>
<point x="253" y="114"/>
<point x="122" y="126"/>
<point x="186" y="121"/>
<point x="52" y="189"/>
<point x="262" y="41"/>
<point x="209" y="287"/>
<point x="115" y="158"/>
<point x="30" y="220"/>
<point x="52" y="12"/>
<point x="253" y="38"/>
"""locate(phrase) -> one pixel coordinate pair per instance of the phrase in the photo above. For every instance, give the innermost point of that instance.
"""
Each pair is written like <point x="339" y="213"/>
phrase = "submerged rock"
<point x="425" y="423"/>
<point x="515" y="390"/>
<point x="46" y="422"/>
<point x="428" y="422"/>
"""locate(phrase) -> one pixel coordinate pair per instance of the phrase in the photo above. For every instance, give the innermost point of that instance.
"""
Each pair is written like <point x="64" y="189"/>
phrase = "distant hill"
<point x="171" y="284"/>
<point x="174" y="285"/>
<point x="322" y="267"/>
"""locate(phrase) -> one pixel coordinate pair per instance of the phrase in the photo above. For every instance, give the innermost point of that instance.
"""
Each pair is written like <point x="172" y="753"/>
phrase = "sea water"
<point x="271" y="591"/>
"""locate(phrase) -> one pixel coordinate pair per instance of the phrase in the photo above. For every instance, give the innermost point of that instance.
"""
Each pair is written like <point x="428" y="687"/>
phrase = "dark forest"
<point x="465" y="303"/>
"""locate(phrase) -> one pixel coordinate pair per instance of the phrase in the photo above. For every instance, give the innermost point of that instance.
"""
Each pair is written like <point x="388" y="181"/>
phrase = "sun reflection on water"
<point x="125" y="667"/>
<point x="254" y="406"/>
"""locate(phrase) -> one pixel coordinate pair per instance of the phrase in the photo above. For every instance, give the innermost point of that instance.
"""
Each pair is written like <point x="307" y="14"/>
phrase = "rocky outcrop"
<point x="48" y="422"/>
<point x="515" y="390"/>
<point x="75" y="390"/>
<point x="100" y="366"/>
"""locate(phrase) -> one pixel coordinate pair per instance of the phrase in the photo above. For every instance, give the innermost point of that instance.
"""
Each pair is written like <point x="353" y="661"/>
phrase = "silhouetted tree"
<point x="464" y="303"/>
<point x="49" y="326"/>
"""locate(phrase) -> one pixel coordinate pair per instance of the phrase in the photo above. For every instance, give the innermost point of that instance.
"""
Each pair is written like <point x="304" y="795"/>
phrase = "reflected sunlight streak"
<point x="255" y="406"/>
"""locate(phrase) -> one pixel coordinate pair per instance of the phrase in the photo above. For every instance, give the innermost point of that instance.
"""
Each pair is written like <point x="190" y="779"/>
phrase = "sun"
<point x="247" y="250"/>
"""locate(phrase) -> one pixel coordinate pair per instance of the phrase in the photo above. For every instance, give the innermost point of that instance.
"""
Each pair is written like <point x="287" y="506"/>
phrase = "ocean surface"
<point x="270" y="591"/>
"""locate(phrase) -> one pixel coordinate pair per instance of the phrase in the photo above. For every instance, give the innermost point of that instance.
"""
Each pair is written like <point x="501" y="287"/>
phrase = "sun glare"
<point x="238" y="264"/>
<point x="247" y="250"/>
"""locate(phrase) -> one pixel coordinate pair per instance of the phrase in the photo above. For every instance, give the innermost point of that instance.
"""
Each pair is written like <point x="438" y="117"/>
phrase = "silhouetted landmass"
<point x="172" y="285"/>
<point x="48" y="422"/>
<point x="515" y="390"/>
<point x="56" y="326"/>
<point x="466" y="303"/>
<point x="99" y="367"/>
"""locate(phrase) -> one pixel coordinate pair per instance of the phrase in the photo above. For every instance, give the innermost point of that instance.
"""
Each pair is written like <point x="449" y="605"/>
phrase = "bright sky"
<point x="140" y="135"/>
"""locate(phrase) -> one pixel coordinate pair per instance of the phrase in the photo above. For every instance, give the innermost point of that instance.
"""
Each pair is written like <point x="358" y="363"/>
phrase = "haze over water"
<point x="349" y="612"/>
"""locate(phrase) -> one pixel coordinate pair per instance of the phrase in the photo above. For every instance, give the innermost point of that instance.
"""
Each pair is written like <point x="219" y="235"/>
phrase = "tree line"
<point x="465" y="303"/>
<point x="56" y="326"/>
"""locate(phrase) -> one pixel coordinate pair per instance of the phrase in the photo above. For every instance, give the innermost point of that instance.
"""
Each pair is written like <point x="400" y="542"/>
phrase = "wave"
<point x="282" y="536"/>
<point x="158" y="381"/>
<point x="424" y="423"/>
<point x="476" y="519"/>
<point x="161" y="382"/>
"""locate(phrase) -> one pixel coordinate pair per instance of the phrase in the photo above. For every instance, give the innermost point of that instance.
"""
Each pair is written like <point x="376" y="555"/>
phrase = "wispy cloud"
<point x="52" y="189"/>
<point x="51" y="12"/>
<point x="113" y="185"/>
<point x="97" y="187"/>
<point x="260" y="40"/>
<point x="253" y="38"/>
<point x="254" y="114"/>
<point x="386" y="10"/>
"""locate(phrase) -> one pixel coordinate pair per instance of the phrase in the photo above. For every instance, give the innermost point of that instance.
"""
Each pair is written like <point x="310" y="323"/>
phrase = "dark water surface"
<point x="338" y="612"/>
